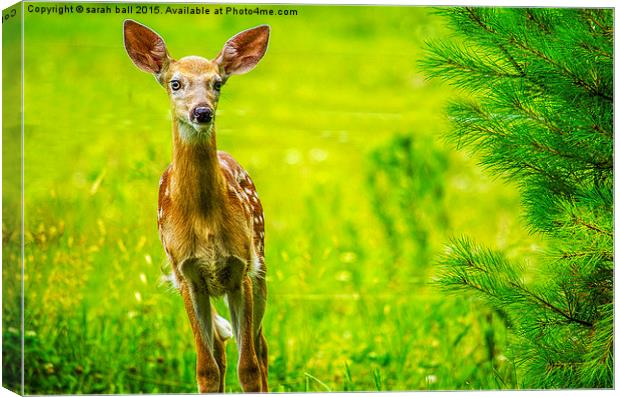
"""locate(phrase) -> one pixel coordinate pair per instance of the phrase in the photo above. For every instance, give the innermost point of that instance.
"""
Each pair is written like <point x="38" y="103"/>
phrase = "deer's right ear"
<point x="146" y="48"/>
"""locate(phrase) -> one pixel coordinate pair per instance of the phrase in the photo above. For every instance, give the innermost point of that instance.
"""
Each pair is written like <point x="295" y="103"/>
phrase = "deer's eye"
<point x="175" y="85"/>
<point x="217" y="85"/>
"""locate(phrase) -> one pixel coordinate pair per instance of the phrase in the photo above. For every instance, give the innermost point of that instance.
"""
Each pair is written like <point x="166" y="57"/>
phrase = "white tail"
<point x="209" y="215"/>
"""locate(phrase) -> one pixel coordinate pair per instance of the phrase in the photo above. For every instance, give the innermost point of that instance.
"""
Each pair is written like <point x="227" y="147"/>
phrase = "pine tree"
<point x="540" y="114"/>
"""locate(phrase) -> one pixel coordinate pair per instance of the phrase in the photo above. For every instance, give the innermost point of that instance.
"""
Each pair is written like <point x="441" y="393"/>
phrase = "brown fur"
<point x="210" y="219"/>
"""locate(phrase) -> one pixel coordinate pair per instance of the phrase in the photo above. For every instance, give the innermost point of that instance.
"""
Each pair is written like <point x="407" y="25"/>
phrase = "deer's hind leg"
<point x="219" y="352"/>
<point x="259" y="289"/>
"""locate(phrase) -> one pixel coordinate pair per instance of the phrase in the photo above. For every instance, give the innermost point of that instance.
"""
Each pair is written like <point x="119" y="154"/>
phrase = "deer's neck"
<point x="199" y="184"/>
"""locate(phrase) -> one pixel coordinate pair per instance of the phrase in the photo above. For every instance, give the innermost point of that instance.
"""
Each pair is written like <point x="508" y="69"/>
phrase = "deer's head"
<point x="194" y="83"/>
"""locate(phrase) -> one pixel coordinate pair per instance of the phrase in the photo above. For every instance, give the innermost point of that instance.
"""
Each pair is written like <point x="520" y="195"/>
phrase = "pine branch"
<point x="563" y="69"/>
<point x="464" y="66"/>
<point x="469" y="258"/>
<point x="512" y="39"/>
<point x="608" y="31"/>
<point x="597" y="51"/>
<point x="580" y="221"/>
<point x="551" y="307"/>
<point x="512" y="61"/>
<point x="604" y="255"/>
<point x="532" y="17"/>
<point x="603" y="131"/>
<point x="545" y="121"/>
<point x="474" y="17"/>
<point x="472" y="14"/>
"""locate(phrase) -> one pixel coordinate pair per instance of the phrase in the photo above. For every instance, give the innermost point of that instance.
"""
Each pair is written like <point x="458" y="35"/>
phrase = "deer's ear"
<point x="146" y="48"/>
<point x="243" y="51"/>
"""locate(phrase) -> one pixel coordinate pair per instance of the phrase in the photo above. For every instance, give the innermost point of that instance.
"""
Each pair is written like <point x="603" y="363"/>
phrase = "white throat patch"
<point x="190" y="134"/>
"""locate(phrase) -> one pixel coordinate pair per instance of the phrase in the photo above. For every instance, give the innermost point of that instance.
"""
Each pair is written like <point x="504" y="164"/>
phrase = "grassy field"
<point x="343" y="136"/>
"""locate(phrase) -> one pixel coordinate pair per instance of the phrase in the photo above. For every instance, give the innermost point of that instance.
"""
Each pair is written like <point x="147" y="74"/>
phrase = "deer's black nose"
<point x="202" y="114"/>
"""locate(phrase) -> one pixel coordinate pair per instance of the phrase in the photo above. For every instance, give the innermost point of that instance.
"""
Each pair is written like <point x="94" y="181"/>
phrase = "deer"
<point x="210" y="218"/>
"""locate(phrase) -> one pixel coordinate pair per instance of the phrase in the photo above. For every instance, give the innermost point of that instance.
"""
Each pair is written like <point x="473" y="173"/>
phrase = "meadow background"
<point x="344" y="138"/>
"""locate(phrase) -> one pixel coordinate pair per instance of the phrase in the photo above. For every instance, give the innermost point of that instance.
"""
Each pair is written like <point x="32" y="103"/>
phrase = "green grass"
<point x="351" y="236"/>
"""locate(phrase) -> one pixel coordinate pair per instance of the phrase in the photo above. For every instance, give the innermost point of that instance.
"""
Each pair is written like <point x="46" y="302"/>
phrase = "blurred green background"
<point x="342" y="134"/>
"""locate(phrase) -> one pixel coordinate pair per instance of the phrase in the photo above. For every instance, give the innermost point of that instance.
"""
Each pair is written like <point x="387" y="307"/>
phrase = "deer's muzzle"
<point x="202" y="114"/>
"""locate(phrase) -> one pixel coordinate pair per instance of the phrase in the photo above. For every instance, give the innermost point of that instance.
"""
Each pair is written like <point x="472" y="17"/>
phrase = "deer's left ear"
<point x="243" y="51"/>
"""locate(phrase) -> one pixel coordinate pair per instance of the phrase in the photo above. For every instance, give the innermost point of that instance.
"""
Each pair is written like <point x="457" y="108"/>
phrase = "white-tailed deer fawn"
<point x="209" y="216"/>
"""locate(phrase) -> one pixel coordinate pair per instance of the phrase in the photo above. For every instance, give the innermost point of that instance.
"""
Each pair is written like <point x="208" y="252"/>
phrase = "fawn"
<point x="210" y="219"/>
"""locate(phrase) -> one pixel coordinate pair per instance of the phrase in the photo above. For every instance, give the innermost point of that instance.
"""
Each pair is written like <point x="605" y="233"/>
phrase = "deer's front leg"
<point x="198" y="307"/>
<point x="240" y="302"/>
